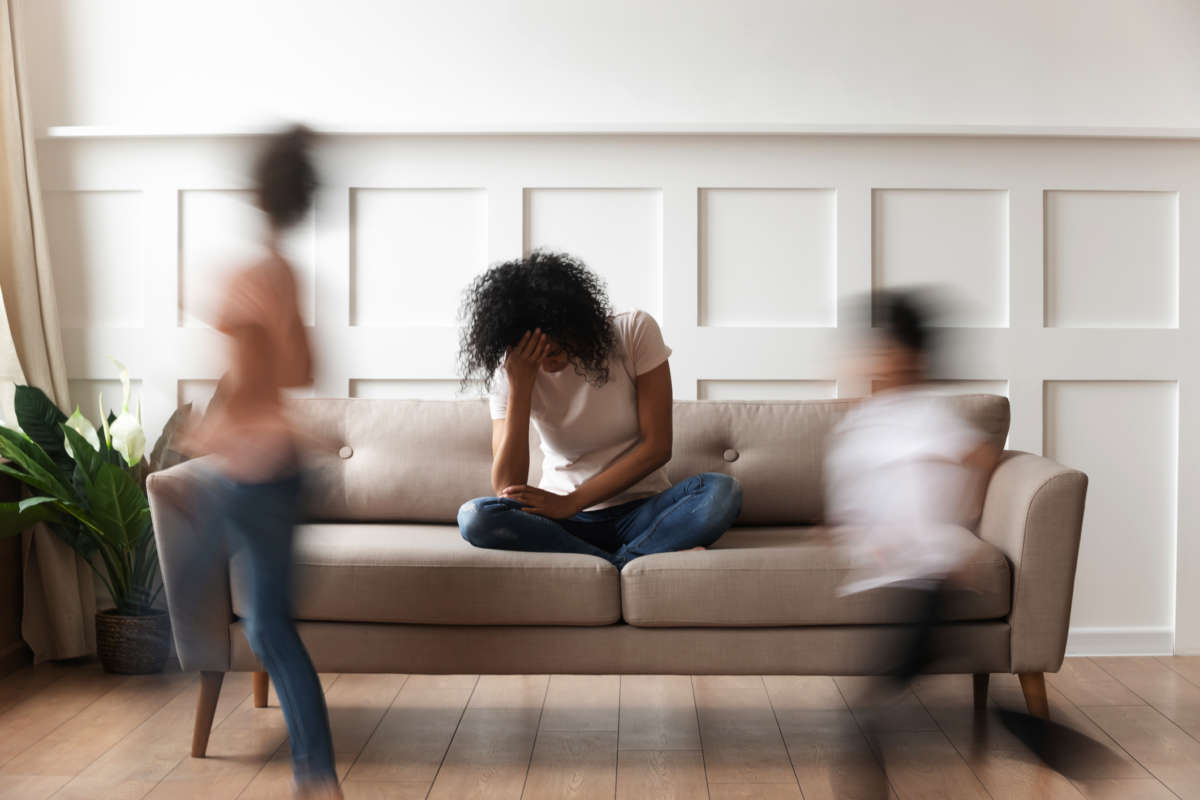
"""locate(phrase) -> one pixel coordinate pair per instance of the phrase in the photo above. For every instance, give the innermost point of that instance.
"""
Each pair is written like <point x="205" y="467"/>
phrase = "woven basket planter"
<point x="133" y="645"/>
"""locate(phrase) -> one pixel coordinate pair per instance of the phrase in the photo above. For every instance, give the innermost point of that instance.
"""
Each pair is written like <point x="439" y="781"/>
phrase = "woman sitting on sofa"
<point x="597" y="388"/>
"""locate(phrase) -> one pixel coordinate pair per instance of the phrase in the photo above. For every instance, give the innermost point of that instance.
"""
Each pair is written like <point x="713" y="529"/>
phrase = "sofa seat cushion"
<point x="762" y="577"/>
<point x="427" y="574"/>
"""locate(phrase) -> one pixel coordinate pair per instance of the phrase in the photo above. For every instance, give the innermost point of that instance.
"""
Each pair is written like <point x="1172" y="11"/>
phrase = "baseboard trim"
<point x="1120" y="642"/>
<point x="13" y="657"/>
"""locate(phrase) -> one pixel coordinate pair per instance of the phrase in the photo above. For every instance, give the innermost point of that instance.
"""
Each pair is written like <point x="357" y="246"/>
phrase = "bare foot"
<point x="698" y="547"/>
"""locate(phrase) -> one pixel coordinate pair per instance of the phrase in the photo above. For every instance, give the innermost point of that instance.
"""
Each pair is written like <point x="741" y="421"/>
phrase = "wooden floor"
<point x="71" y="731"/>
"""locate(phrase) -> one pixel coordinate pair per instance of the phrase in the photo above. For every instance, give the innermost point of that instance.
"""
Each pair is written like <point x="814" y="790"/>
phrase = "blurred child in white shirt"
<point x="904" y="472"/>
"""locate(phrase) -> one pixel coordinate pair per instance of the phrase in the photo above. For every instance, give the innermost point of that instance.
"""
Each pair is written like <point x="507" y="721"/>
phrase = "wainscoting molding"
<point x="1063" y="257"/>
<point x="1120" y="641"/>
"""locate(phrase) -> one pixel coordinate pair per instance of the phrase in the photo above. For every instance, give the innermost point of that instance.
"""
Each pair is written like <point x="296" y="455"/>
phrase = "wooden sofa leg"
<point x="261" y="685"/>
<point x="206" y="708"/>
<point x="1033" y="685"/>
<point x="980" y="682"/>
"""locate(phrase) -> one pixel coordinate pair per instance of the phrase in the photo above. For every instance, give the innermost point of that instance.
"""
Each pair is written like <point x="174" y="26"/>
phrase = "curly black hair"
<point x="547" y="290"/>
<point x="284" y="176"/>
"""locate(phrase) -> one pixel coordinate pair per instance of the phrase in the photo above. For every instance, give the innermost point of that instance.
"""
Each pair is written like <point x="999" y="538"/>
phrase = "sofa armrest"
<point x="1033" y="513"/>
<point x="195" y="567"/>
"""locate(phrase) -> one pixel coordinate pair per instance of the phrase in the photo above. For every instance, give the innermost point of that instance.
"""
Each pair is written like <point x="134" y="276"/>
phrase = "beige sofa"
<point x="385" y="583"/>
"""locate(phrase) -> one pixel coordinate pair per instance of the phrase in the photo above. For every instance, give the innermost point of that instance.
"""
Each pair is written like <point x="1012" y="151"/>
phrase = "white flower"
<point x="128" y="439"/>
<point x="79" y="423"/>
<point x="124" y="385"/>
<point x="103" y="418"/>
<point x="126" y="434"/>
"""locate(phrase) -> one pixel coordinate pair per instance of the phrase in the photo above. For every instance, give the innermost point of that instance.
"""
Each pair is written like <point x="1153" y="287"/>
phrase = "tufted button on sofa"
<point x="384" y="582"/>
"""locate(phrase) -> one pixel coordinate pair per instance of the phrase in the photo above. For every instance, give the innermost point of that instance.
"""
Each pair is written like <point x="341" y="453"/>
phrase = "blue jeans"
<point x="693" y="513"/>
<point x="258" y="520"/>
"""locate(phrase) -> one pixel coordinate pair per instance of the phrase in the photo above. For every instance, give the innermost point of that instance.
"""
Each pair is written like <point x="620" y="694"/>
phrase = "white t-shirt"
<point x="585" y="428"/>
<point x="896" y="484"/>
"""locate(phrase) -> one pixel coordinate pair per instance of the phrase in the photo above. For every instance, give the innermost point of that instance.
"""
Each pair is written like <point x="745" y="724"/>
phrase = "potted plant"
<point x="89" y="488"/>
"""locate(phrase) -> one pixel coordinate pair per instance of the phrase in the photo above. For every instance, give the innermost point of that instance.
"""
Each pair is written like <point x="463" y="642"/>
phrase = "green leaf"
<point x="25" y="478"/>
<point x="33" y="502"/>
<point x="92" y="502"/>
<point x="40" y="419"/>
<point x="87" y="460"/>
<point x="34" y="467"/>
<point x="145" y="566"/>
<point x="15" y="518"/>
<point x="119" y="508"/>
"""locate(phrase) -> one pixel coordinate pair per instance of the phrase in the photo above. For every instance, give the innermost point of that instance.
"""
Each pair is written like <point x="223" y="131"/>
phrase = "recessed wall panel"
<point x="768" y="257"/>
<point x="413" y="389"/>
<point x="1123" y="434"/>
<point x="616" y="232"/>
<point x="97" y="254"/>
<point x="223" y="230"/>
<point x="952" y="387"/>
<point x="952" y="240"/>
<point x="766" y="390"/>
<point x="414" y="251"/>
<point x="1112" y="259"/>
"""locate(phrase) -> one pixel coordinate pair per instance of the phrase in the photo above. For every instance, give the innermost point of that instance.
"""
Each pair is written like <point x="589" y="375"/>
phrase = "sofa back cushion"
<point x="419" y="460"/>
<point x="776" y="450"/>
<point x="396" y="460"/>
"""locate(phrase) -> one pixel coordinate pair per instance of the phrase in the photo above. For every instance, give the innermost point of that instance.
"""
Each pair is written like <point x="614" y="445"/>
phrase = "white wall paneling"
<point x="768" y="257"/>
<point x="969" y="387"/>
<point x="1112" y="259"/>
<point x="1070" y="256"/>
<point x="86" y="395"/>
<point x="396" y="234"/>
<point x="953" y="238"/>
<point x="1124" y="434"/>
<point x="952" y="387"/>
<point x="97" y="245"/>
<point x="220" y="229"/>
<point x="615" y="230"/>
<point x="414" y="389"/>
<point x="196" y="392"/>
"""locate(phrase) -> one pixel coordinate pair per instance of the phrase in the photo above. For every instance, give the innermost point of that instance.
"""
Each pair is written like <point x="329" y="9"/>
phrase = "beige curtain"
<point x="59" y="601"/>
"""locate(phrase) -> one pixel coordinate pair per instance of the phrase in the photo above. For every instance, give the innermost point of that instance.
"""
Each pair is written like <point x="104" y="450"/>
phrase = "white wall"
<point x="1070" y="255"/>
<point x="1065" y="255"/>
<point x="566" y="62"/>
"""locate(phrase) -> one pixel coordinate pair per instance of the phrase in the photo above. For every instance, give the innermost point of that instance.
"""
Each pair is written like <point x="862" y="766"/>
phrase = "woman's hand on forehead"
<point x="522" y="360"/>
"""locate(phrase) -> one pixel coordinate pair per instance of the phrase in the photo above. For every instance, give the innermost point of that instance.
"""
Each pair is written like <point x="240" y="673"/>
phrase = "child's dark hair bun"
<point x="285" y="177"/>
<point x="904" y="316"/>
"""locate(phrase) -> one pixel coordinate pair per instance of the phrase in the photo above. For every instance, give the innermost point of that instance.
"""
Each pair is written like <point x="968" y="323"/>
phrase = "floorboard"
<point x="741" y="738"/>
<point x="573" y="765"/>
<point x="412" y="737"/>
<point x="661" y="774"/>
<point x="72" y="732"/>
<point x="658" y="712"/>
<point x="1084" y="683"/>
<point x="1165" y="689"/>
<point x="489" y="755"/>
<point x="1161" y="746"/>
